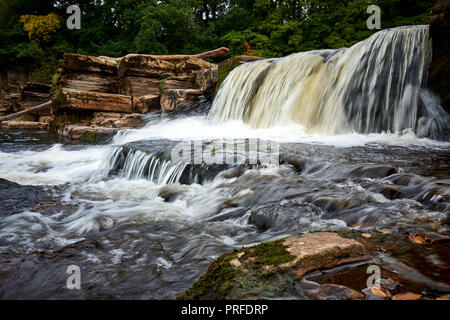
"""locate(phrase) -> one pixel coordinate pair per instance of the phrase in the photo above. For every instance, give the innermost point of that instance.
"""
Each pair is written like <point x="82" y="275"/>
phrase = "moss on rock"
<point x="272" y="269"/>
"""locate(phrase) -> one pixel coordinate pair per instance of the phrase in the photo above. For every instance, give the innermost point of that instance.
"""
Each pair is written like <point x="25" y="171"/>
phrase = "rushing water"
<point x="376" y="85"/>
<point x="140" y="225"/>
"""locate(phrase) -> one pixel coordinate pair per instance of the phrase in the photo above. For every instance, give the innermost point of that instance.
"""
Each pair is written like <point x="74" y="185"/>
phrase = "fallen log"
<point x="178" y="57"/>
<point x="20" y="113"/>
<point x="204" y="55"/>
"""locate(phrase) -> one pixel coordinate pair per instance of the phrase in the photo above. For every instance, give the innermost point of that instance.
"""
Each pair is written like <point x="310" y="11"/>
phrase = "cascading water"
<point x="376" y="85"/>
<point x="141" y="225"/>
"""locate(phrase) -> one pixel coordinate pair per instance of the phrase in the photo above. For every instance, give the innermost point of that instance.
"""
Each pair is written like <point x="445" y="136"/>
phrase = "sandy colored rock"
<point x="147" y="103"/>
<point x="86" y="100"/>
<point x="407" y="296"/>
<point x="90" y="82"/>
<point x="179" y="82"/>
<point x="322" y="250"/>
<point x="78" y="62"/>
<point x="187" y="66"/>
<point x="138" y="86"/>
<point x="86" y="133"/>
<point x="24" y="125"/>
<point x="141" y="65"/>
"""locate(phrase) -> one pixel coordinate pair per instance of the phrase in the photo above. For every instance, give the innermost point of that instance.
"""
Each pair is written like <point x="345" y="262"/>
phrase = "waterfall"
<point x="137" y="164"/>
<point x="377" y="85"/>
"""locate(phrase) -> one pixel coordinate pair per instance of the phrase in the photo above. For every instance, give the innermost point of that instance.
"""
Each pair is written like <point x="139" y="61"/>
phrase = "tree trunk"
<point x="18" y="114"/>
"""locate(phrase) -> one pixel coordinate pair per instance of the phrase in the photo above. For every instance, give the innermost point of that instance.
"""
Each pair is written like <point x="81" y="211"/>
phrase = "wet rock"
<point x="391" y="192"/>
<point x="373" y="172"/>
<point x="298" y="164"/>
<point x="328" y="291"/>
<point x="170" y="193"/>
<point x="16" y="198"/>
<point x="406" y="179"/>
<point x="266" y="219"/>
<point x="407" y="296"/>
<point x="272" y="269"/>
<point x="332" y="204"/>
<point x="89" y="82"/>
<point x="86" y="100"/>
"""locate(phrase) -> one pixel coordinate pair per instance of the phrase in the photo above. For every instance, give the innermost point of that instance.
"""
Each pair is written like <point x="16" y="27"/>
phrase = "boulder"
<point x="86" y="100"/>
<point x="175" y="99"/>
<point x="438" y="79"/>
<point x="373" y="172"/>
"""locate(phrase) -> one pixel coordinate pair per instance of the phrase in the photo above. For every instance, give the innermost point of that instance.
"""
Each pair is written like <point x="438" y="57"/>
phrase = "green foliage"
<point x="269" y="28"/>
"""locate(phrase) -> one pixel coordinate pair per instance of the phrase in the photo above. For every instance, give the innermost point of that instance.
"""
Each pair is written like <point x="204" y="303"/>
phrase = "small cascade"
<point x="377" y="85"/>
<point x="136" y="164"/>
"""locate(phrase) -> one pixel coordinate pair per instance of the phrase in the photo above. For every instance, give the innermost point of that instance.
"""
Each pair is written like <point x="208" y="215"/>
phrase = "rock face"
<point x="19" y="93"/>
<point x="438" y="79"/>
<point x="95" y="101"/>
<point x="130" y="86"/>
<point x="273" y="269"/>
<point x="225" y="67"/>
<point x="175" y="99"/>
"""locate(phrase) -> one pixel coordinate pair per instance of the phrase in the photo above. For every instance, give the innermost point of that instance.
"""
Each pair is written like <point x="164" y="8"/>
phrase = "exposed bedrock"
<point x="103" y="94"/>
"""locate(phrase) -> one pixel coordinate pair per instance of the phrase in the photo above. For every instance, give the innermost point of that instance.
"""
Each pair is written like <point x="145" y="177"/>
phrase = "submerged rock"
<point x="373" y="172"/>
